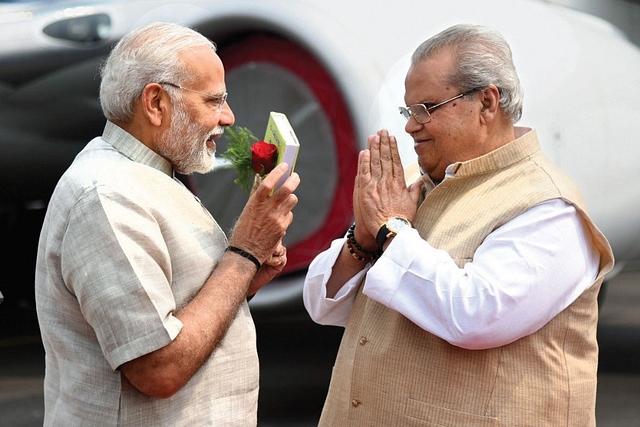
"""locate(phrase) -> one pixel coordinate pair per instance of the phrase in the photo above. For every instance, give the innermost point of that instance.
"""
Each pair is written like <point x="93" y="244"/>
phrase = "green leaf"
<point x="238" y="154"/>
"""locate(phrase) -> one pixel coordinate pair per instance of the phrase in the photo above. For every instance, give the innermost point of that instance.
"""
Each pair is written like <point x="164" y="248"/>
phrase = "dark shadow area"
<point x="619" y="349"/>
<point x="296" y="360"/>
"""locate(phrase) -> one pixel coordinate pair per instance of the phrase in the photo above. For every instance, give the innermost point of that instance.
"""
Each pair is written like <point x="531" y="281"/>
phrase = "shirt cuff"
<point x="387" y="273"/>
<point x="323" y="310"/>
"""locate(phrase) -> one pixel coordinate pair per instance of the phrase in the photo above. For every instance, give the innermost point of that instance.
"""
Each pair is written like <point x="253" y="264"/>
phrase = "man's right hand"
<point x="266" y="217"/>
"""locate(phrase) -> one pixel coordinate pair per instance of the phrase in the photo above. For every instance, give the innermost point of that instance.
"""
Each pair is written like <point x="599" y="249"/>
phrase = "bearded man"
<point x="141" y="297"/>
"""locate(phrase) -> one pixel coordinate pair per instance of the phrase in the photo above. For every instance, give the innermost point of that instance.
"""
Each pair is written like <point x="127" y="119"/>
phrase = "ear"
<point x="155" y="103"/>
<point x="490" y="98"/>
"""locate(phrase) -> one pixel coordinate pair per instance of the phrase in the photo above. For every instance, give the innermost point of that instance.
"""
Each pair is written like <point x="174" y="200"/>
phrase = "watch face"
<point x="396" y="224"/>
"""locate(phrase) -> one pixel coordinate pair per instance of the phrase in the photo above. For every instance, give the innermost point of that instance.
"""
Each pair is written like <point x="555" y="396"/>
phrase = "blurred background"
<point x="300" y="58"/>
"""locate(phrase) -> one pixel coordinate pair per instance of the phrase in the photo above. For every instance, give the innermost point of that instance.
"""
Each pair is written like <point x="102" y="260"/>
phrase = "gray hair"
<point x="149" y="54"/>
<point x="482" y="57"/>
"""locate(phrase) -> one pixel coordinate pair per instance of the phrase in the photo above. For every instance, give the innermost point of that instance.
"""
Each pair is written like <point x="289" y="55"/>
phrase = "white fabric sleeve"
<point x="329" y="311"/>
<point x="521" y="276"/>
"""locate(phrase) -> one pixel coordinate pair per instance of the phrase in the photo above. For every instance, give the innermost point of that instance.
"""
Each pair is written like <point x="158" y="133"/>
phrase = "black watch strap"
<point x="382" y="236"/>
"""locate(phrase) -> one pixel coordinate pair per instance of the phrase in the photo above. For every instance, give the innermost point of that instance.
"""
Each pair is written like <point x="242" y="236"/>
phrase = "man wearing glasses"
<point x="141" y="297"/>
<point x="469" y="298"/>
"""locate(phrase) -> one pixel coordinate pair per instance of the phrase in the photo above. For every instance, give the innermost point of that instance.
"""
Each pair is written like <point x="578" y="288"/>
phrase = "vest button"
<point x="363" y="340"/>
<point x="355" y="402"/>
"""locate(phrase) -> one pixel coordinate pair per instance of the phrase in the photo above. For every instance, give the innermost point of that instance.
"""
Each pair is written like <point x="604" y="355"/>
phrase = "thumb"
<point x="257" y="180"/>
<point x="415" y="190"/>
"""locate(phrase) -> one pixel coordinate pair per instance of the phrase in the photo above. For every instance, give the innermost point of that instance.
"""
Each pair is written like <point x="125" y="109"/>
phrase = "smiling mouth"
<point x="211" y="139"/>
<point x="211" y="142"/>
<point x="423" y="141"/>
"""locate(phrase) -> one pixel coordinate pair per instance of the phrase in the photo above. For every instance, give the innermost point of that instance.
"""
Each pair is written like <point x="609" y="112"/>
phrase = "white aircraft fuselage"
<point x="343" y="66"/>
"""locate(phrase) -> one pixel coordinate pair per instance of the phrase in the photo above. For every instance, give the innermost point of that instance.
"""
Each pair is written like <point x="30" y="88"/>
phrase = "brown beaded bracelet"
<point x="355" y="255"/>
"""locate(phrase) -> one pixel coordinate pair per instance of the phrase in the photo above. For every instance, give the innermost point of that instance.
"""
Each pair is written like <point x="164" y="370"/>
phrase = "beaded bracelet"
<point x="355" y="255"/>
<point x="352" y="240"/>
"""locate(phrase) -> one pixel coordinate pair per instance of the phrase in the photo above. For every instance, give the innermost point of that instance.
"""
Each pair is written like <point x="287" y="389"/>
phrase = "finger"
<point x="269" y="182"/>
<point x="364" y="166"/>
<point x="415" y="191"/>
<point x="291" y="183"/>
<point x="286" y="205"/>
<point x="277" y="261"/>
<point x="363" y="178"/>
<point x="385" y="152"/>
<point x="257" y="180"/>
<point x="396" y="161"/>
<point x="374" y="153"/>
<point x="281" y="253"/>
<point x="284" y="194"/>
<point x="280" y="260"/>
<point x="283" y="200"/>
<point x="356" y="195"/>
<point x="280" y="249"/>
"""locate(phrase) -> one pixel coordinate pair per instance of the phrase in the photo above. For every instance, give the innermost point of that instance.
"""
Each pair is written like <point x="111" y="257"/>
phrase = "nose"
<point x="227" y="118"/>
<point x="412" y="125"/>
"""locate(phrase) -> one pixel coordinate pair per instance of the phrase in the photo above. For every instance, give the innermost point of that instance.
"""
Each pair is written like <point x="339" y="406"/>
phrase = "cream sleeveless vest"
<point x="391" y="373"/>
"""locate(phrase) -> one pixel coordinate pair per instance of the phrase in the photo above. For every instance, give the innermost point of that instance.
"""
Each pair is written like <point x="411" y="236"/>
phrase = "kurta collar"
<point x="135" y="150"/>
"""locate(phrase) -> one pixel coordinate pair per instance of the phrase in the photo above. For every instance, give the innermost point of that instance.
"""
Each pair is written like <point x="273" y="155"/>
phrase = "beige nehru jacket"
<point x="401" y="375"/>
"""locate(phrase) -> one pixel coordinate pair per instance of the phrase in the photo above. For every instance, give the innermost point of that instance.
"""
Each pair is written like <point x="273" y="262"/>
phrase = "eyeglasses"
<point x="218" y="100"/>
<point x="421" y="112"/>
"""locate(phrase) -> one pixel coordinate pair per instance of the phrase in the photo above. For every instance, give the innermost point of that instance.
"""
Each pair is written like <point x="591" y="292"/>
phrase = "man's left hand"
<point x="381" y="188"/>
<point x="270" y="268"/>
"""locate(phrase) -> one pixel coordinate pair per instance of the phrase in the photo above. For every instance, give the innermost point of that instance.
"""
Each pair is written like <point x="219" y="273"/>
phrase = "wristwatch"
<point x="389" y="229"/>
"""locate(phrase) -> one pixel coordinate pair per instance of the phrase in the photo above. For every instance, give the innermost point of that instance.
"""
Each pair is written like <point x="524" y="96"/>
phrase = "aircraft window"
<point x="82" y="29"/>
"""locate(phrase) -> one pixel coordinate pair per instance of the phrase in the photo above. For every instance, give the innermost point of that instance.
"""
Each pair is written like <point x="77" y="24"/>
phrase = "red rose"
<point x="263" y="157"/>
